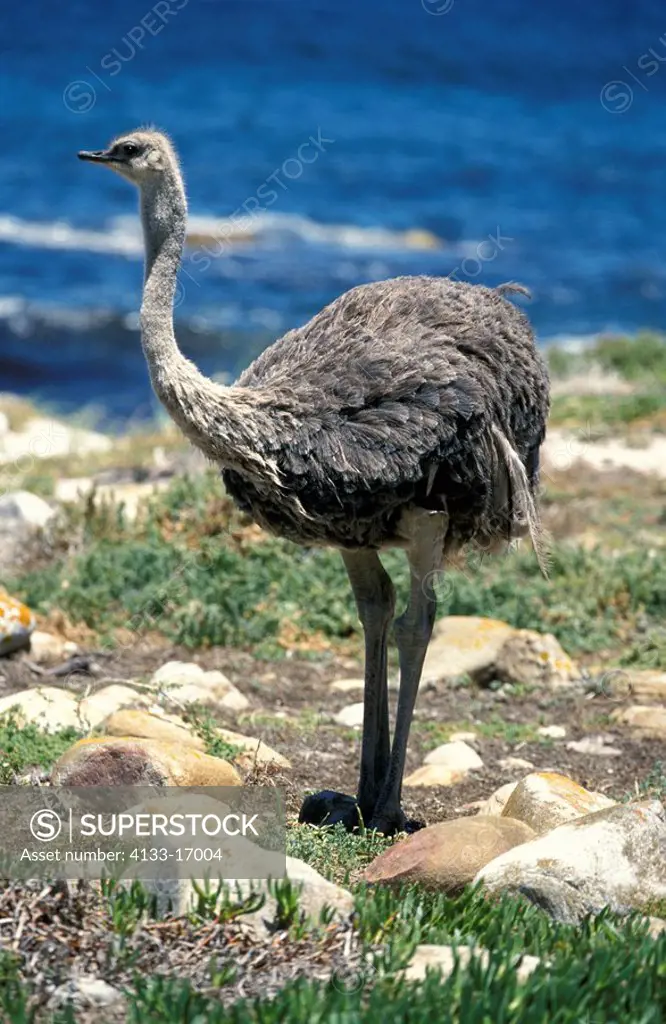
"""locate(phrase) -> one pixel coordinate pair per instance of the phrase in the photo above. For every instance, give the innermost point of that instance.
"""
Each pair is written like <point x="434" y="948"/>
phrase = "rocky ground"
<point x="542" y="710"/>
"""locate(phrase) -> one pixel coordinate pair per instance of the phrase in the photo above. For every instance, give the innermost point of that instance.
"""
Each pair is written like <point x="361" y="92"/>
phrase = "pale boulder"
<point x="544" y="800"/>
<point x="88" y="992"/>
<point x="44" y="438"/>
<point x="179" y="683"/>
<point x="612" y="858"/>
<point x="463" y="737"/>
<point x="597" y="746"/>
<point x="253" y="751"/>
<point x="351" y="716"/>
<point x="171" y="728"/>
<point x="23" y="509"/>
<point x="552" y="732"/>
<point x="444" y="958"/>
<point x="347" y="685"/>
<point x="434" y="775"/>
<point x="456" y="755"/>
<point x="48" y="707"/>
<point x="46" y="648"/>
<point x="515" y="764"/>
<point x="643" y="720"/>
<point x="97" y="706"/>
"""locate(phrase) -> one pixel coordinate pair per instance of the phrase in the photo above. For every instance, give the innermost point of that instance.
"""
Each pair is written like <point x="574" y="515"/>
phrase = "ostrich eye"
<point x="130" y="149"/>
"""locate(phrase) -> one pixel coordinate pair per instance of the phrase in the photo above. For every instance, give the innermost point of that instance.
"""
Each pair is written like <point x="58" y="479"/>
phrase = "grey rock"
<point x="613" y="858"/>
<point x="86" y="992"/>
<point x="21" y="508"/>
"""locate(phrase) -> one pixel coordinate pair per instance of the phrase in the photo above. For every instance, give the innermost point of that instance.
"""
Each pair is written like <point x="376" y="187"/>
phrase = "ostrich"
<point x="407" y="413"/>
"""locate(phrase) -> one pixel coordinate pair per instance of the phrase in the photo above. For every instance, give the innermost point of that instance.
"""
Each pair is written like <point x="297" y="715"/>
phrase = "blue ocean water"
<point x="494" y="141"/>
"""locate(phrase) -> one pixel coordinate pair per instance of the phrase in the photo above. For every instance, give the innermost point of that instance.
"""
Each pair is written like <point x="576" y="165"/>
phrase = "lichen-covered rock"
<point x="532" y="658"/>
<point x="132" y="761"/>
<point x="16" y="624"/>
<point x="488" y="650"/>
<point x="544" y="800"/>
<point x="613" y="858"/>
<point x="463" y="644"/>
<point x="445" y="857"/>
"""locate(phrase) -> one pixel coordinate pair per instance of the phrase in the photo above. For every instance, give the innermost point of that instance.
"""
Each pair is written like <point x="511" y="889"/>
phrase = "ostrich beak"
<point x="95" y="156"/>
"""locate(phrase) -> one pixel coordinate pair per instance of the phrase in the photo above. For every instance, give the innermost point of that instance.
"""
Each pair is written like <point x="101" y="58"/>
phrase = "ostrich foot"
<point x="328" y="808"/>
<point x="388" y="823"/>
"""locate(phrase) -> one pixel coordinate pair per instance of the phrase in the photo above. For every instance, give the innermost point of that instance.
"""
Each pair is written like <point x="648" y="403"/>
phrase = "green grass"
<point x="27" y="746"/>
<point x="335" y="853"/>
<point x="640" y="361"/>
<point x="187" y="572"/>
<point x="606" y="970"/>
<point x="204" y="725"/>
<point x="603" y="414"/>
<point x="436" y="733"/>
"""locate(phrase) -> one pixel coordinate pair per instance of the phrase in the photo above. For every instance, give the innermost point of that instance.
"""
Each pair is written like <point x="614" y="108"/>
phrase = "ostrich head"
<point x="144" y="157"/>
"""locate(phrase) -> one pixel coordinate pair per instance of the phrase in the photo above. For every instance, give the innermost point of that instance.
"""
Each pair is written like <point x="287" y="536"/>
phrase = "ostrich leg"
<point x="375" y="601"/>
<point x="413" y="630"/>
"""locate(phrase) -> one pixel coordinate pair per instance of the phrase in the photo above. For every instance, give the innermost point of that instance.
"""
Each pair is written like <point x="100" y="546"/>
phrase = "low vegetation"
<point x="639" y="363"/>
<point x="26" y="746"/>
<point x="606" y="970"/>
<point x="194" y="570"/>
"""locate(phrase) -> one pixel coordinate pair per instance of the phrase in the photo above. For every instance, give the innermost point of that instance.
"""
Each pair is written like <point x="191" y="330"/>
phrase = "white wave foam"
<point x="61" y="235"/>
<point x="123" y="236"/>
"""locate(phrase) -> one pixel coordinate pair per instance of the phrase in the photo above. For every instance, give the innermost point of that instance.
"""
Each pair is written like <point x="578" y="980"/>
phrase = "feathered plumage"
<point x="411" y="392"/>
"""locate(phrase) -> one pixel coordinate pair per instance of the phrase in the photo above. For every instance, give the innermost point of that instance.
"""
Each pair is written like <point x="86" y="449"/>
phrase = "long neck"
<point x="225" y="423"/>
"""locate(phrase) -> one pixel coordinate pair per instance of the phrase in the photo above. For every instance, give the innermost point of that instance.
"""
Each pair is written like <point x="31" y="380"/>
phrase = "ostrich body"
<point x="407" y="413"/>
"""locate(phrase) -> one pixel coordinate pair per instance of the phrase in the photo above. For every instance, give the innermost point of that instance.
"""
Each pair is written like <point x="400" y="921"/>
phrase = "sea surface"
<point x="327" y="143"/>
